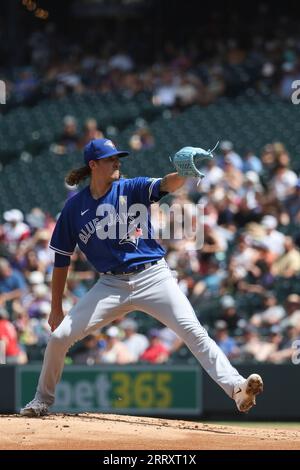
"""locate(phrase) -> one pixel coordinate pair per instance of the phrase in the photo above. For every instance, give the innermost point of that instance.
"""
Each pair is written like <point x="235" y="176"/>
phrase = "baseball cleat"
<point x="245" y="393"/>
<point x="34" y="408"/>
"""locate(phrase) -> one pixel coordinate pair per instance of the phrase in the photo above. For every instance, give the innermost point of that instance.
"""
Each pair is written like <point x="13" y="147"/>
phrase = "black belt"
<point x="133" y="270"/>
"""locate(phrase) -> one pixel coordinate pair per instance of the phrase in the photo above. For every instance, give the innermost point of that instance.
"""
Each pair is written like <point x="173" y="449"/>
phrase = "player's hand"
<point x="55" y="319"/>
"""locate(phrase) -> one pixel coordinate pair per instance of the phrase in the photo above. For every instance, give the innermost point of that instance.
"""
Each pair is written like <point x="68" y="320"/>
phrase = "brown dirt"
<point x="119" y="432"/>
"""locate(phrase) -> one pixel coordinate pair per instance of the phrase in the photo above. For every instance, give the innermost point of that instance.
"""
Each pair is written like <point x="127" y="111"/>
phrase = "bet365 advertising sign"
<point x="135" y="389"/>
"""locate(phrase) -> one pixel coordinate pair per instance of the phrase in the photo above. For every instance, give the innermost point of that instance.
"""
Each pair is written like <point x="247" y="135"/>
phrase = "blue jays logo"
<point x="133" y="235"/>
<point x="109" y="143"/>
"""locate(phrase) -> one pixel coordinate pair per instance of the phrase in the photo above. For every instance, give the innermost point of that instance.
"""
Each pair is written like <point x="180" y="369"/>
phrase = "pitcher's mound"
<point x="119" y="432"/>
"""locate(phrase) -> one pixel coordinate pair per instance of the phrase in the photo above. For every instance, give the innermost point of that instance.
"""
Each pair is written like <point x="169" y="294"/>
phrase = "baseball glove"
<point x="185" y="160"/>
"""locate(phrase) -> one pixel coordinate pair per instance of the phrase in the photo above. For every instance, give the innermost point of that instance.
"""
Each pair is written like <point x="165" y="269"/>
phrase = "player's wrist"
<point x="56" y="308"/>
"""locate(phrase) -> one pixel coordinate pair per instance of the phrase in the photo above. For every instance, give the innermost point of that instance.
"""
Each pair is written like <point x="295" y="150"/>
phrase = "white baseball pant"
<point x="153" y="291"/>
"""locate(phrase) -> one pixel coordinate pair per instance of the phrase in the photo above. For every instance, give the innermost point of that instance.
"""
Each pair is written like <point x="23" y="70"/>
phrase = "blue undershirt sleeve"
<point x="63" y="240"/>
<point x="60" y="261"/>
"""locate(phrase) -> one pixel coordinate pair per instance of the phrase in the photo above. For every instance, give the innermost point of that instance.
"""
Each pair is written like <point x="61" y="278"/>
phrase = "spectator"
<point x="115" y="351"/>
<point x="259" y="276"/>
<point x="165" y="93"/>
<point x="275" y="339"/>
<point x="247" y="209"/>
<point x="224" y="341"/>
<point x="41" y="298"/>
<point x="31" y="263"/>
<point x="213" y="244"/>
<point x="170" y="340"/>
<point x="8" y="334"/>
<point x="35" y="278"/>
<point x="156" y="353"/>
<point x="12" y="283"/>
<point x="135" y="342"/>
<point x="88" y="351"/>
<point x="252" y="347"/>
<point x="272" y="312"/>
<point x="230" y="156"/>
<point x="69" y="139"/>
<point x="90" y="132"/>
<point x="75" y="286"/>
<point x="188" y="91"/>
<point x="293" y="312"/>
<point x="213" y="175"/>
<point x="36" y="218"/>
<point x="252" y="163"/>
<point x="288" y="264"/>
<point x="286" y="347"/>
<point x="273" y="238"/>
<point x="229" y="313"/>
<point x="251" y="190"/>
<point x="68" y="80"/>
<point x="268" y="161"/>
<point x="289" y="75"/>
<point x="25" y="87"/>
<point x="142" y="139"/>
<point x="210" y="283"/>
<point x="243" y="257"/>
<point x="21" y="321"/>
<point x="292" y="203"/>
<point x="233" y="177"/>
<point x="15" y="230"/>
<point x="121" y="60"/>
<point x="40" y="326"/>
<point x="41" y="246"/>
<point x="283" y="181"/>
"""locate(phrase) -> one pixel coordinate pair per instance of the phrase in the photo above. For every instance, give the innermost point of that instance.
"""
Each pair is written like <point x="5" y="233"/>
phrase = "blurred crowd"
<point x="73" y="138"/>
<point x="243" y="283"/>
<point x="210" y="63"/>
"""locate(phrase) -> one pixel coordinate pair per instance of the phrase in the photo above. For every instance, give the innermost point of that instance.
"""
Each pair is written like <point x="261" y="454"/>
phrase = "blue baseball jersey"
<point x="114" y="231"/>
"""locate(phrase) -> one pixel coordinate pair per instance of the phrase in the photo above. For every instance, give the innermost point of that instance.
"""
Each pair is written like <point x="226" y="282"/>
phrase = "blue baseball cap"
<point x="97" y="149"/>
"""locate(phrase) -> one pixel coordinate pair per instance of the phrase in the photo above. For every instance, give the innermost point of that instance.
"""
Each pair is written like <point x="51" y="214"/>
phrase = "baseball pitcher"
<point x="102" y="220"/>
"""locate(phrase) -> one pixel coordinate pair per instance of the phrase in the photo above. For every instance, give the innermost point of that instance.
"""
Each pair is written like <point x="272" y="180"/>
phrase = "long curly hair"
<point x="77" y="175"/>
